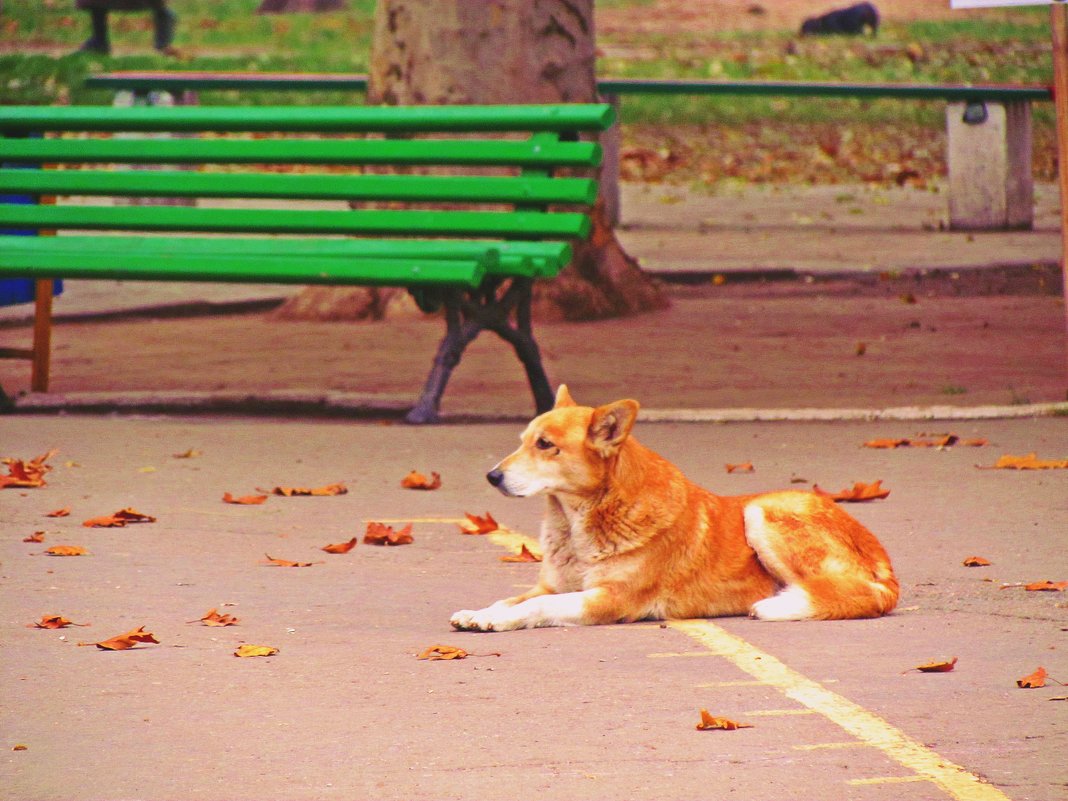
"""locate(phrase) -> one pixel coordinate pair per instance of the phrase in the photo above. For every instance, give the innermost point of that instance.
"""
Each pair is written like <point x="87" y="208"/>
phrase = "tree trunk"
<point x="492" y="52"/>
<point x="298" y="6"/>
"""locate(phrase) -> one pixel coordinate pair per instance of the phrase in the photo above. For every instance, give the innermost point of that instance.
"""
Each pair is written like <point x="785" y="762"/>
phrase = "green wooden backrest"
<point x="269" y="153"/>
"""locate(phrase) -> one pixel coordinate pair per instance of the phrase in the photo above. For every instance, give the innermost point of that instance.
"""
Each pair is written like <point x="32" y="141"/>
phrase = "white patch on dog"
<point x="791" y="603"/>
<point x="758" y="535"/>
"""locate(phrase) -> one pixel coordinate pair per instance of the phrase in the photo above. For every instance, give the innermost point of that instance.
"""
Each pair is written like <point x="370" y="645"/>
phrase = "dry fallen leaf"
<point x="741" y="467"/>
<point x="20" y="747"/>
<point x="381" y="534"/>
<point x="859" y="492"/>
<point x="123" y="642"/>
<point x="64" y="512"/>
<point x="213" y="618"/>
<point x="478" y="525"/>
<point x="26" y="474"/>
<point x="708" y="723"/>
<point x="37" y="536"/>
<point x="887" y="443"/>
<point x="1028" y="462"/>
<point x="435" y="652"/>
<point x="192" y="453"/>
<point x="244" y="500"/>
<point x="1046" y="586"/>
<point x="66" y="550"/>
<point x="416" y="480"/>
<point x="1034" y="680"/>
<point x="524" y="555"/>
<point x="340" y="547"/>
<point x="329" y="489"/>
<point x="119" y="519"/>
<point x="976" y="561"/>
<point x="255" y="650"/>
<point x="53" y="622"/>
<point x="935" y="667"/>
<point x="272" y="562"/>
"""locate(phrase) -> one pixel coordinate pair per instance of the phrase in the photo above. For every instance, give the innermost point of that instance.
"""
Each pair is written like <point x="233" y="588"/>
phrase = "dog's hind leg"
<point x="830" y="566"/>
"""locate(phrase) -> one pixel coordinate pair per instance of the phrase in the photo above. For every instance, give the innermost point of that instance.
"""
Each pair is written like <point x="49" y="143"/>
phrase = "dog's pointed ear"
<point x="611" y="425"/>
<point x="563" y="398"/>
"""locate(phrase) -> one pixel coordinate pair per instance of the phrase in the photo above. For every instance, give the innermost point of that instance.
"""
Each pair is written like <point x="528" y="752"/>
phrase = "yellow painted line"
<point x="832" y="746"/>
<point x="456" y="520"/>
<point x="889" y="780"/>
<point x="513" y="541"/>
<point x="778" y="713"/>
<point x="868" y="727"/>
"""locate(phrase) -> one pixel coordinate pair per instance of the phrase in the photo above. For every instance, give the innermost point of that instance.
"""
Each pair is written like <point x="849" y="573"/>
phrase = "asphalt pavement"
<point x="346" y="710"/>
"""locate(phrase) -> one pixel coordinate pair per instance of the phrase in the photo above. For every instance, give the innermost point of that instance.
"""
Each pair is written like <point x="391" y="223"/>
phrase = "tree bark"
<point x="500" y="52"/>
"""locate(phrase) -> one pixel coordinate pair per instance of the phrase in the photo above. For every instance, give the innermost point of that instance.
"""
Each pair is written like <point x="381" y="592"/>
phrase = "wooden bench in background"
<point x="472" y="243"/>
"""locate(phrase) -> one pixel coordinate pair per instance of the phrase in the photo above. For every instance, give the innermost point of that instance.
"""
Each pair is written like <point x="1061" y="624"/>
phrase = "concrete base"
<point x="989" y="160"/>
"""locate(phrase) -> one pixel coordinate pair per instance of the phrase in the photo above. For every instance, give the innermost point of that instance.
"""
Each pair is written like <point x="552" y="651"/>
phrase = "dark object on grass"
<point x="851" y="21"/>
<point x="163" y="19"/>
<point x="298" y="6"/>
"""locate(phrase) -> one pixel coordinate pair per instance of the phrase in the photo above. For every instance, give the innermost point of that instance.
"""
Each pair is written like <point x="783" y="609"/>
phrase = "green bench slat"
<point x="241" y="269"/>
<point x="529" y="259"/>
<point x="413" y="188"/>
<point x="394" y="119"/>
<point x="401" y="222"/>
<point x="490" y="152"/>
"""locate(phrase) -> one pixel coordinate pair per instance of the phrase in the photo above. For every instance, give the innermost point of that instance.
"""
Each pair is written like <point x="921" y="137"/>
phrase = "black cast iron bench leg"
<point x="467" y="314"/>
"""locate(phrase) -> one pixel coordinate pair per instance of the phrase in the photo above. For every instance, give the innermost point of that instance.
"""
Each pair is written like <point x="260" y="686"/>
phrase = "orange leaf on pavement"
<point x="435" y="652"/>
<point x="741" y="467"/>
<point x="329" y="489"/>
<point x="381" y="534"/>
<point x="213" y="618"/>
<point x="524" y="555"/>
<point x="37" y="536"/>
<point x="478" y="525"/>
<point x="936" y="667"/>
<point x="272" y="562"/>
<point x="709" y="723"/>
<point x="859" y="492"/>
<point x="1047" y="586"/>
<point x="255" y="650"/>
<point x="66" y="550"/>
<point x="26" y="473"/>
<point x="244" y="500"/>
<point x="54" y="622"/>
<point x="123" y="642"/>
<point x="1028" y="462"/>
<point x="119" y="519"/>
<point x="887" y="443"/>
<point x="976" y="561"/>
<point x="64" y="512"/>
<point x="416" y="480"/>
<point x="340" y="547"/>
<point x="1034" y="680"/>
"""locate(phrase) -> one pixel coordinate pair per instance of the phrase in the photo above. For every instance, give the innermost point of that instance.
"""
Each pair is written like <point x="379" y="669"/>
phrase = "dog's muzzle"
<point x="496" y="478"/>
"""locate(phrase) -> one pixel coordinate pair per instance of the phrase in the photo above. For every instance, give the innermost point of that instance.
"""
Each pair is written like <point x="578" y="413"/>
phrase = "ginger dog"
<point x="627" y="537"/>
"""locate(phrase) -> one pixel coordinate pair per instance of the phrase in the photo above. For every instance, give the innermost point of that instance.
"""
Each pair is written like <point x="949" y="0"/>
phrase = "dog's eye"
<point x="542" y="444"/>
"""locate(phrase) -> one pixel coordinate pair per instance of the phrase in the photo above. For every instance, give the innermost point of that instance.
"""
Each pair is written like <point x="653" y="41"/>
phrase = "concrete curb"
<point x="311" y="403"/>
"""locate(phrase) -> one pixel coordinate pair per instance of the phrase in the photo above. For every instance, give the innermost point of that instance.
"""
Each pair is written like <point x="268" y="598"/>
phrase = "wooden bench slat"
<point x="319" y="119"/>
<point x="486" y="152"/>
<point x="232" y="268"/>
<point x="530" y="259"/>
<point x="402" y="222"/>
<point x="412" y="188"/>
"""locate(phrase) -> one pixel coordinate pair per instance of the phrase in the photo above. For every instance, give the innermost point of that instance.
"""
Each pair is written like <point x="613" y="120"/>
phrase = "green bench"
<point x="471" y="242"/>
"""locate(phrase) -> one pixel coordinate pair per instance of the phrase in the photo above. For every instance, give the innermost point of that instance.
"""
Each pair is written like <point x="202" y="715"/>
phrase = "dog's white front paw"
<point x="493" y="618"/>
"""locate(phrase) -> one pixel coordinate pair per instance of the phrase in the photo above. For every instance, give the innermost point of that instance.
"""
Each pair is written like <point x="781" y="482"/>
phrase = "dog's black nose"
<point x="495" y="477"/>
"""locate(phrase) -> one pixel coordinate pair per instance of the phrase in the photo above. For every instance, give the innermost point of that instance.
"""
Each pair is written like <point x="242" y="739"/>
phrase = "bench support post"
<point x="989" y="159"/>
<point x="467" y="314"/>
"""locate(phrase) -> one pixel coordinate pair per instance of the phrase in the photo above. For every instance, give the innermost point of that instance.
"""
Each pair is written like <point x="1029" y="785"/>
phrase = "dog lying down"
<point x="627" y="537"/>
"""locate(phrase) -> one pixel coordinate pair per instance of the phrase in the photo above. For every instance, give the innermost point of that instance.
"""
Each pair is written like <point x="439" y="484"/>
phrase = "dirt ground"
<point x="836" y="344"/>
